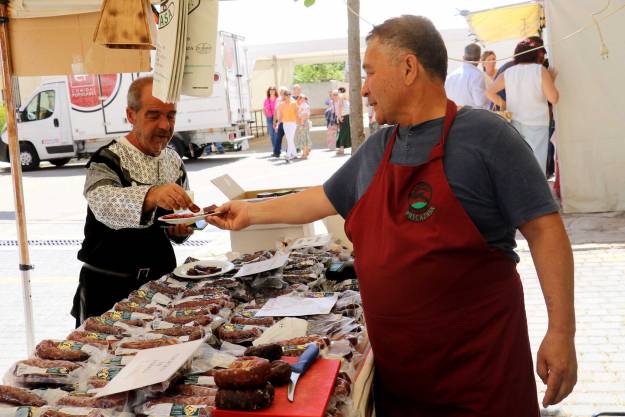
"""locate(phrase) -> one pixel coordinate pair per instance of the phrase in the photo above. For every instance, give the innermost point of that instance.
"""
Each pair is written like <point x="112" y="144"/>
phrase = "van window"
<point x="41" y="107"/>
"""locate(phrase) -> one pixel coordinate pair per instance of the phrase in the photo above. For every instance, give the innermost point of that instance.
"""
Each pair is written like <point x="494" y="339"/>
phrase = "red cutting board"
<point x="312" y="394"/>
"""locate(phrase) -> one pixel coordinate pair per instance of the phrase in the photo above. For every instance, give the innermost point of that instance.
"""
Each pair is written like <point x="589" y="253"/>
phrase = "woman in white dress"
<point x="529" y="86"/>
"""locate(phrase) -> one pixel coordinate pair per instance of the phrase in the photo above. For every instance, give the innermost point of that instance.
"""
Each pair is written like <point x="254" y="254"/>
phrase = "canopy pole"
<point x="16" y="174"/>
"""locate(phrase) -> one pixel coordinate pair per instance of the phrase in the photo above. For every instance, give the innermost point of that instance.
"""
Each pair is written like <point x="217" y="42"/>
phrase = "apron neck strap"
<point x="450" y="115"/>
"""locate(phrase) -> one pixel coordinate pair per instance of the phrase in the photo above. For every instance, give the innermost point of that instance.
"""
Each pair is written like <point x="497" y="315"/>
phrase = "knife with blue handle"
<point x="297" y="370"/>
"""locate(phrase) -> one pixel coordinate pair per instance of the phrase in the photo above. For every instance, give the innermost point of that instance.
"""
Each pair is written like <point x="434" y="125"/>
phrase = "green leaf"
<point x="309" y="3"/>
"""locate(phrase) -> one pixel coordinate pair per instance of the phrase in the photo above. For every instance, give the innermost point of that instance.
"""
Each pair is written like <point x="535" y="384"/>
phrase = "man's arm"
<point x="551" y="252"/>
<point x="303" y="207"/>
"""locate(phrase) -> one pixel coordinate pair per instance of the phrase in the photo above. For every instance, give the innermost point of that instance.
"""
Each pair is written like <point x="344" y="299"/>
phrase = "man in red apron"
<point x="431" y="206"/>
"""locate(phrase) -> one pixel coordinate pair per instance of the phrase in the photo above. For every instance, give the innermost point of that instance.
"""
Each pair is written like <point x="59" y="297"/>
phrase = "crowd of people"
<point x="288" y="116"/>
<point x="522" y="89"/>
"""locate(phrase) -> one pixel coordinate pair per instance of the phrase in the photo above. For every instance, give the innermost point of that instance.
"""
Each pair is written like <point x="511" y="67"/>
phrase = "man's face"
<point x="297" y="91"/>
<point x="382" y="87"/>
<point x="153" y="123"/>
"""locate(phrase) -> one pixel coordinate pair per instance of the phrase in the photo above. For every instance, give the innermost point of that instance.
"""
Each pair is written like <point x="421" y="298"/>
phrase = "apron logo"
<point x="419" y="208"/>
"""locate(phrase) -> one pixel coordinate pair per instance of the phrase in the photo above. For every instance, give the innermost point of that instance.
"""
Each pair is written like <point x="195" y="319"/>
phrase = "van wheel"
<point x="29" y="158"/>
<point x="177" y="145"/>
<point x="60" y="162"/>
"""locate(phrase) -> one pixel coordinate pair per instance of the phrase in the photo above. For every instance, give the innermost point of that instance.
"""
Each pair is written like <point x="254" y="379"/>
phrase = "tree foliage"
<point x="311" y="73"/>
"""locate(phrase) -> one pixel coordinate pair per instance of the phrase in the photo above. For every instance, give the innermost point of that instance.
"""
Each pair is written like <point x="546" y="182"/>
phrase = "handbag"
<point x="502" y="112"/>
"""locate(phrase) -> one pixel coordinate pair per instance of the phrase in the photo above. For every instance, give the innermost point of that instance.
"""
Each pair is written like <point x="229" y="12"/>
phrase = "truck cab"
<point x="43" y="127"/>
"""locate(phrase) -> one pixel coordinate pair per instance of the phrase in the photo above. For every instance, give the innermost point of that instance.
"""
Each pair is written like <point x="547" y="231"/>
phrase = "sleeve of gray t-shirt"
<point x="520" y="187"/>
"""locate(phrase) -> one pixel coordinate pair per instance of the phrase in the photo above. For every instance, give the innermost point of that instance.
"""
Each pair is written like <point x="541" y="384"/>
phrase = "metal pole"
<point x="16" y="173"/>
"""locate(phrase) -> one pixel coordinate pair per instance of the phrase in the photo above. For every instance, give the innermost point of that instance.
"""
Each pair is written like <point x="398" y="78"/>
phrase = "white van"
<point x="74" y="116"/>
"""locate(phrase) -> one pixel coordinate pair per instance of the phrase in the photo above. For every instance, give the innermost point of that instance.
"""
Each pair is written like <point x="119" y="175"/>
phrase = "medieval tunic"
<point x="123" y="247"/>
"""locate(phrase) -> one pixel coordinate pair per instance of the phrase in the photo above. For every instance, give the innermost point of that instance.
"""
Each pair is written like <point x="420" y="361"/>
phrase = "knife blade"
<point x="297" y="370"/>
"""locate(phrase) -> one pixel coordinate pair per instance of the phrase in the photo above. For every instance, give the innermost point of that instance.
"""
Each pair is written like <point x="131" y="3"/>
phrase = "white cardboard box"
<point x="262" y="236"/>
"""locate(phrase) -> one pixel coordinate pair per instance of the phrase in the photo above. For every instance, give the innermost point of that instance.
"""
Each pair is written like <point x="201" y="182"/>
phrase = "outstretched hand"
<point x="233" y="215"/>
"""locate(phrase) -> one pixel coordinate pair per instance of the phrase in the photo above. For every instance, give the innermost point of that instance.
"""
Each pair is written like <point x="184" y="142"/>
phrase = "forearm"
<point x="299" y="208"/>
<point x="553" y="259"/>
<point x="495" y="98"/>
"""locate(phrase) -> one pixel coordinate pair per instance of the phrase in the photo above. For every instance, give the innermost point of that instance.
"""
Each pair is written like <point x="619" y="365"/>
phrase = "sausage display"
<point x="212" y="304"/>
<point x="244" y="373"/>
<point x="248" y="400"/>
<point x="65" y="350"/>
<point x="19" y="396"/>
<point x="280" y="373"/>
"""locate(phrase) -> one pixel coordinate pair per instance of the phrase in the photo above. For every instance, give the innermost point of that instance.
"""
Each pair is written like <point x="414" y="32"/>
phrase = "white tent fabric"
<point x="590" y="117"/>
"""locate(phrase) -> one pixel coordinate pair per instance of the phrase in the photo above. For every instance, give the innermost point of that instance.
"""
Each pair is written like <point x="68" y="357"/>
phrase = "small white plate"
<point x="225" y="266"/>
<point x="184" y="220"/>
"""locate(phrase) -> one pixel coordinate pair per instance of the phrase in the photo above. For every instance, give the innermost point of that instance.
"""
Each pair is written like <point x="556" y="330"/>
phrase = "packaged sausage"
<point x="92" y="338"/>
<point x="19" y="396"/>
<point x="68" y="350"/>
<point x="43" y="372"/>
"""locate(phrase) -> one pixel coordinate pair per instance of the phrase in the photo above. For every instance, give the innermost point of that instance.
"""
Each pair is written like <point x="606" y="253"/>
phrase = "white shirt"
<point x="524" y="95"/>
<point x="466" y="86"/>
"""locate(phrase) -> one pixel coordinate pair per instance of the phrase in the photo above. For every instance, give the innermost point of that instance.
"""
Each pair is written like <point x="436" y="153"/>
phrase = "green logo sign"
<point x="419" y="203"/>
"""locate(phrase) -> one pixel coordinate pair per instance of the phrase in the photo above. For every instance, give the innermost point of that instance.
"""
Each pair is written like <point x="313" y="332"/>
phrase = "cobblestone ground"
<point x="600" y="338"/>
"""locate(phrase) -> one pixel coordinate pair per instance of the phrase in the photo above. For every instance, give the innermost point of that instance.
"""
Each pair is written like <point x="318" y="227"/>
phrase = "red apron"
<point x="444" y="311"/>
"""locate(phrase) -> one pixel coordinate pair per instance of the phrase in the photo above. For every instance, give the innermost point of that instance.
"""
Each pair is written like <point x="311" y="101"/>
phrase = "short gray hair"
<point x="418" y="36"/>
<point x="134" y="92"/>
<point x="472" y="52"/>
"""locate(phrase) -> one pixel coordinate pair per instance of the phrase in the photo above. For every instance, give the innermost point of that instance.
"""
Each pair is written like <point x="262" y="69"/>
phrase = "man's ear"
<point x="412" y="69"/>
<point x="130" y="115"/>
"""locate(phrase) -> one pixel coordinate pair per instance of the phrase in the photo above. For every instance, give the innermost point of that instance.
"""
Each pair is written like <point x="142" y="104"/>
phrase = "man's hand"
<point x="556" y="365"/>
<point x="235" y="216"/>
<point x="179" y="230"/>
<point x="169" y="197"/>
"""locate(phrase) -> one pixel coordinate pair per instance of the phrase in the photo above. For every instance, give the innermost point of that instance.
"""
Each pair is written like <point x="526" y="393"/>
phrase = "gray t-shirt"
<point x="490" y="168"/>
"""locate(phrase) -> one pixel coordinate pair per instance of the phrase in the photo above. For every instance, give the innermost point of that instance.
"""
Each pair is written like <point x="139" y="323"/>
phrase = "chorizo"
<point x="64" y="350"/>
<point x="280" y="373"/>
<point x="117" y="401"/>
<point x="19" y="396"/>
<point x="249" y="400"/>
<point x="271" y="351"/>
<point x="245" y="372"/>
<point x="92" y="338"/>
<point x="148" y="343"/>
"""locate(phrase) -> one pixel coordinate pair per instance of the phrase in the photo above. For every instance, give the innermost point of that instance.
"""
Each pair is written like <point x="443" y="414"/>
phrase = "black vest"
<point x="125" y="250"/>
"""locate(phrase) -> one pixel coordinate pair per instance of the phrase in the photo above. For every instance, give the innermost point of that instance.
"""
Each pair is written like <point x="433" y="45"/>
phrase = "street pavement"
<point x="56" y="209"/>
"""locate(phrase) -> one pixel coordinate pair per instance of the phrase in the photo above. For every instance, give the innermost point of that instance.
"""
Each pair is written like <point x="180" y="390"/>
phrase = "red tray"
<point x="312" y="394"/>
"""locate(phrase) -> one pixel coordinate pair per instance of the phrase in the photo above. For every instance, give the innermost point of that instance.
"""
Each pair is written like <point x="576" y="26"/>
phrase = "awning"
<point x="48" y="8"/>
<point x="516" y="21"/>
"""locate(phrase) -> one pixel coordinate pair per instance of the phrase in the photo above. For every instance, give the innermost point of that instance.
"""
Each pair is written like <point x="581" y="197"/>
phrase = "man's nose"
<point x="165" y="123"/>
<point x="364" y="91"/>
